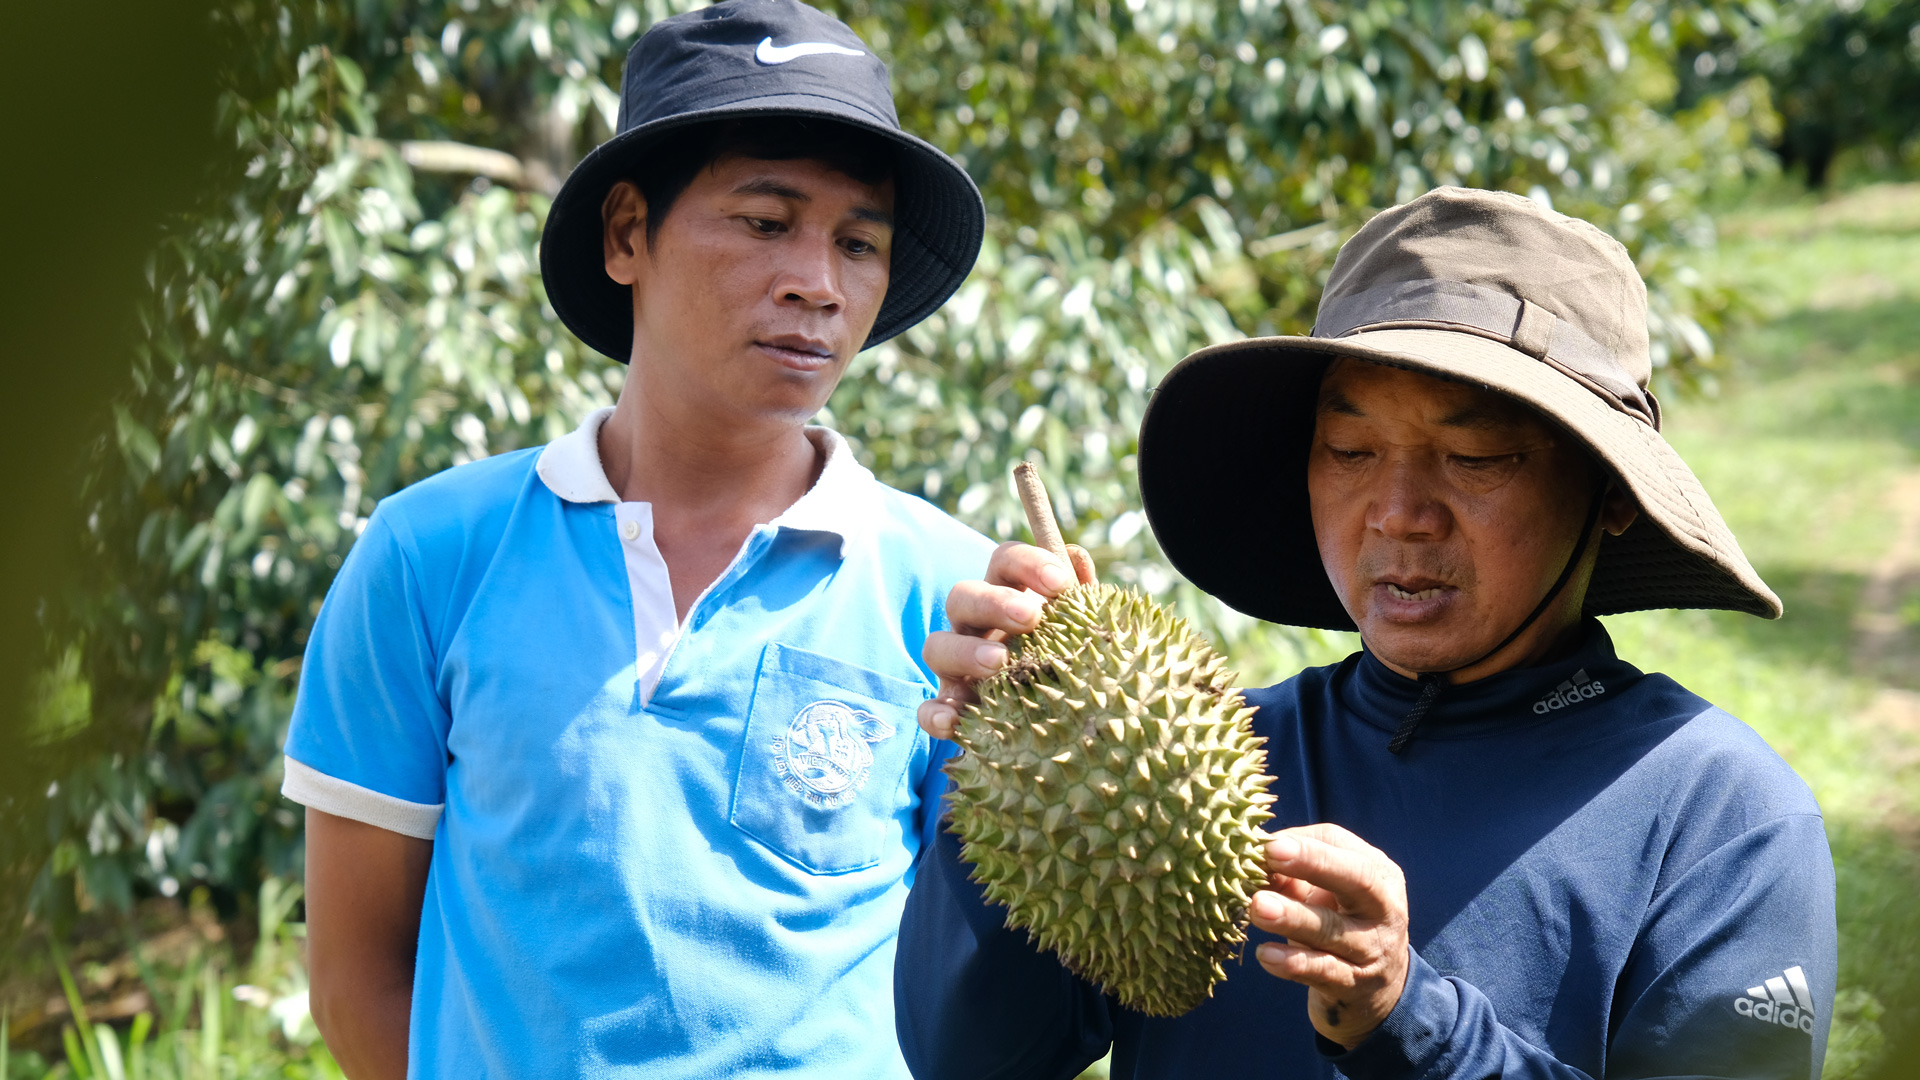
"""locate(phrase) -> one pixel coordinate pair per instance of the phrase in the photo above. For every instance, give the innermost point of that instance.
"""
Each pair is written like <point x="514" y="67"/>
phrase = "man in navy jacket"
<point x="1500" y="849"/>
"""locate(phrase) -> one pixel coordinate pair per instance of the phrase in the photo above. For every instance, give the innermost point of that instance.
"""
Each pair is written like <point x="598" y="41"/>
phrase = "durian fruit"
<point x="1111" y="795"/>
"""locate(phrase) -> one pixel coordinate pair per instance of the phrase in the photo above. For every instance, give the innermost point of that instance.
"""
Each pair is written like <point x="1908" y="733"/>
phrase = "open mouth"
<point x="1413" y="599"/>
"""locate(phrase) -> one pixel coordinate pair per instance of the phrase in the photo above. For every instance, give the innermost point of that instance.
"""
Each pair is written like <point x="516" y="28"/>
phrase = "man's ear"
<point x="1618" y="510"/>
<point x="623" y="217"/>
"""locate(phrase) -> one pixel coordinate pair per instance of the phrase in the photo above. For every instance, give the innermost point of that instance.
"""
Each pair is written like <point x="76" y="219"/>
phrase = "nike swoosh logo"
<point x="769" y="53"/>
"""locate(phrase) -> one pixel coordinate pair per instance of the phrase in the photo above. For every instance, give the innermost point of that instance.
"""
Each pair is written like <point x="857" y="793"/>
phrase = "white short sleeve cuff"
<point x="310" y="787"/>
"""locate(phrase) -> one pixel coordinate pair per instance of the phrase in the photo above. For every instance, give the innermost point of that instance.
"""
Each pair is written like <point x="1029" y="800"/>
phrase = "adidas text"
<point x="1572" y="692"/>
<point x="1784" y="999"/>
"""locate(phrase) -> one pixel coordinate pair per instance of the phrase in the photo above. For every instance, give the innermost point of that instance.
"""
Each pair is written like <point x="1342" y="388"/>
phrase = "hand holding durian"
<point x="1111" y="794"/>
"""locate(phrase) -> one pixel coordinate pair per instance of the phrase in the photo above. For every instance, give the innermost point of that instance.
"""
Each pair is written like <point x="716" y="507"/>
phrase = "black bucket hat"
<point x="1481" y="287"/>
<point x="758" y="58"/>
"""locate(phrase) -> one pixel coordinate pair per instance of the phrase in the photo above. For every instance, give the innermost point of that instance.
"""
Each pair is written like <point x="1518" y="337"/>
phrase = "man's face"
<point x="1444" y="513"/>
<point x="762" y="282"/>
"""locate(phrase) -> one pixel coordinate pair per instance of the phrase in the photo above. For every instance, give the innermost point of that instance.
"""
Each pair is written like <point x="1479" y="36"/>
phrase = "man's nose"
<point x="1406" y="504"/>
<point x="809" y="274"/>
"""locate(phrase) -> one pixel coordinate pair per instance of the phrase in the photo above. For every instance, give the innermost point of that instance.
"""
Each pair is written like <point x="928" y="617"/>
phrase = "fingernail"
<point x="1055" y="577"/>
<point x="991" y="654"/>
<point x="1285" y="849"/>
<point x="1269" y="953"/>
<point x="1025" y="608"/>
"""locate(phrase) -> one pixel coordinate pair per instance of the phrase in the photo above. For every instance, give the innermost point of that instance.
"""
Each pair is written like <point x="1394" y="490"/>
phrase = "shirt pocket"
<point x="823" y="774"/>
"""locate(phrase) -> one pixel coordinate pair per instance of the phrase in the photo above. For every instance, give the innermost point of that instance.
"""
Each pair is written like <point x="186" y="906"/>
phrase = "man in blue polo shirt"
<point x="608" y="747"/>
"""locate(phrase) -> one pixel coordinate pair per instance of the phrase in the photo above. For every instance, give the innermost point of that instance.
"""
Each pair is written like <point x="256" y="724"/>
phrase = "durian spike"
<point x="1033" y="496"/>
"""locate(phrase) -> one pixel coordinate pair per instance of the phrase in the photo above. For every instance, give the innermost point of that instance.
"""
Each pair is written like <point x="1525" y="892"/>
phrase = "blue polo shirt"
<point x="660" y="848"/>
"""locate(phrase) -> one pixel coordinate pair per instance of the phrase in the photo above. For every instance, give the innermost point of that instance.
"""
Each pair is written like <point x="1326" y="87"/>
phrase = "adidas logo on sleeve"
<point x="1576" y="689"/>
<point x="1784" y="999"/>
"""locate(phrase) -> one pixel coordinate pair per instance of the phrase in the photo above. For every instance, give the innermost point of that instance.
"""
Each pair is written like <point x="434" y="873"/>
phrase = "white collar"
<point x="570" y="465"/>
<point x="838" y="502"/>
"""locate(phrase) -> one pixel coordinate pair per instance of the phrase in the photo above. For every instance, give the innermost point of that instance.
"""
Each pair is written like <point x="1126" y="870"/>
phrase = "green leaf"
<point x="257" y="500"/>
<point x="352" y="79"/>
<point x="343" y="244"/>
<point x="113" y="1066"/>
<point x="190" y="546"/>
<point x="95" y="1067"/>
<point x="141" y="449"/>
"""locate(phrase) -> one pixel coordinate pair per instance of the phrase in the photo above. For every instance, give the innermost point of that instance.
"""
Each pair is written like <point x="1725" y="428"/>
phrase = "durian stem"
<point x="1033" y="496"/>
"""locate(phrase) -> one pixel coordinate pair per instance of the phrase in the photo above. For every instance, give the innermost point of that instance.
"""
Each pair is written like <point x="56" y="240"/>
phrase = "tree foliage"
<point x="1844" y="74"/>
<point x="357" y="305"/>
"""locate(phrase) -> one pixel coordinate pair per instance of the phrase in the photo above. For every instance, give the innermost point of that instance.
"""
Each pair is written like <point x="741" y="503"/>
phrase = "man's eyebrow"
<point x="768" y="186"/>
<point x="1336" y="402"/>
<point x="1476" y="417"/>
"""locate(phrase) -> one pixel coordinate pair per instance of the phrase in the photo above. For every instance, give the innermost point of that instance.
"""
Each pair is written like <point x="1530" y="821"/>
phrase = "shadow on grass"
<point x="1870" y="356"/>
<point x="1810" y="230"/>
<point x="1869" y="205"/>
<point x="1821" y="623"/>
<point x="1818" y="627"/>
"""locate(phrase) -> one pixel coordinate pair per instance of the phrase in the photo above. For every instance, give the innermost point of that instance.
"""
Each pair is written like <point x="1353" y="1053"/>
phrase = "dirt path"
<point x="1881" y="626"/>
<point x="1887" y="646"/>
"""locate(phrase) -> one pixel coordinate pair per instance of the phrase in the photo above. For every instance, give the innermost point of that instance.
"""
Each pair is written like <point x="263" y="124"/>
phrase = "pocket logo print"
<point x="827" y="751"/>
<point x="769" y="53"/>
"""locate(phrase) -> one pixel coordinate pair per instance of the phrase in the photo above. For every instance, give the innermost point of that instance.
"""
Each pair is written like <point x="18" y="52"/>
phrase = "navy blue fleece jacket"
<point x="1606" y="875"/>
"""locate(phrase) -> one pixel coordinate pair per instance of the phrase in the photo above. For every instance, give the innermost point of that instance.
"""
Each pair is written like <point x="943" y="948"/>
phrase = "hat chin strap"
<point x="1431" y="682"/>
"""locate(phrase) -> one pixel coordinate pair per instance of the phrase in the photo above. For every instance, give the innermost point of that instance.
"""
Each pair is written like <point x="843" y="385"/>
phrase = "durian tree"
<point x="355" y="304"/>
<point x="1845" y="75"/>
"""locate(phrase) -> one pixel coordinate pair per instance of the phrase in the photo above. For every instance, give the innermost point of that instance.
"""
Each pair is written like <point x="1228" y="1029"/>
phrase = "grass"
<point x="185" y="1003"/>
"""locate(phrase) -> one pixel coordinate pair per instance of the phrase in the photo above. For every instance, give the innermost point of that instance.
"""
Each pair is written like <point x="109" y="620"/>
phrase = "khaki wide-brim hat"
<point x="1480" y="287"/>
